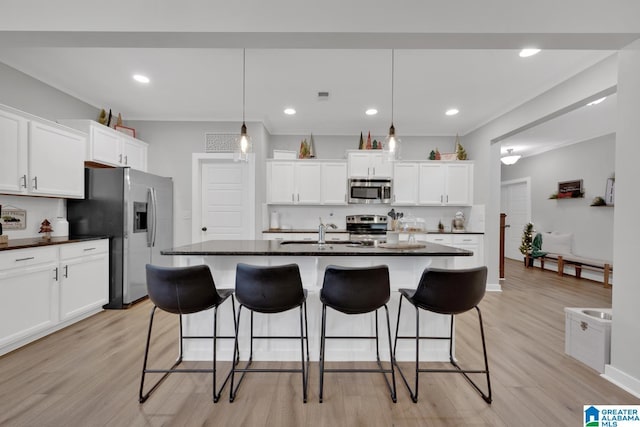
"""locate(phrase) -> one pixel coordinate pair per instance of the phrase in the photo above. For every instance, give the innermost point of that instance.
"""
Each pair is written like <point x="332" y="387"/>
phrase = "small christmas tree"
<point x="46" y="228"/>
<point x="527" y="239"/>
<point x="461" y="153"/>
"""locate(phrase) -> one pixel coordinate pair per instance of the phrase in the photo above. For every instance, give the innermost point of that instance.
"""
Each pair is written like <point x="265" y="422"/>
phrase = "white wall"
<point x="625" y="339"/>
<point x="38" y="209"/>
<point x="32" y="96"/>
<point x="593" y="162"/>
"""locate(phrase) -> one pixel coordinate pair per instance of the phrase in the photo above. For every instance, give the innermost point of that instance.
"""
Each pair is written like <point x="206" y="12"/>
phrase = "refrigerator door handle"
<point x="150" y="215"/>
<point x="153" y="221"/>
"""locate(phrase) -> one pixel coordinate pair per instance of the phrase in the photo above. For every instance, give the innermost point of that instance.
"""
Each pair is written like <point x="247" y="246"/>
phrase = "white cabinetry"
<point x="369" y="164"/>
<point x="13" y="161"/>
<point x="470" y="242"/>
<point x="405" y="184"/>
<point x="109" y="147"/>
<point x="306" y="182"/>
<point x="40" y="158"/>
<point x="334" y="183"/>
<point x="292" y="182"/>
<point x="56" y="161"/>
<point x="28" y="295"/>
<point x="445" y="184"/>
<point x="84" y="275"/>
<point x="47" y="288"/>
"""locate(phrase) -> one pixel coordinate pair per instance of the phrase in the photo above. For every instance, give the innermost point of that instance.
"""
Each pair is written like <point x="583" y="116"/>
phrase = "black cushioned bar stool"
<point x="184" y="290"/>
<point x="356" y="291"/>
<point x="271" y="290"/>
<point x="448" y="292"/>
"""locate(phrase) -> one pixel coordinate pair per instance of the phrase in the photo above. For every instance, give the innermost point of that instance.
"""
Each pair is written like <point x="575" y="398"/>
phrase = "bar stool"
<point x="448" y="292"/>
<point x="184" y="290"/>
<point x="356" y="291"/>
<point x="271" y="290"/>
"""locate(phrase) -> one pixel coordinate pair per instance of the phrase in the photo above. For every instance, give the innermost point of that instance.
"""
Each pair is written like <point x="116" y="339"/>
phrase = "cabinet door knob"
<point x="35" y="182"/>
<point x="24" y="181"/>
<point x="204" y="228"/>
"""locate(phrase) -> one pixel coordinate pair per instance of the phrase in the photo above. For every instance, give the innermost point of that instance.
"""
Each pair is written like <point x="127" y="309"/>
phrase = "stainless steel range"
<point x="367" y="228"/>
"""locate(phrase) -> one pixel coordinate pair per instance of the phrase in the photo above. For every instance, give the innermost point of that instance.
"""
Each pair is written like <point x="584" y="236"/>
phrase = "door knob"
<point x="204" y="228"/>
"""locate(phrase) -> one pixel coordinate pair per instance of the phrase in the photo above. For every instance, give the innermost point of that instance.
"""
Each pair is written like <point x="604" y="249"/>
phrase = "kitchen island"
<point x="405" y="268"/>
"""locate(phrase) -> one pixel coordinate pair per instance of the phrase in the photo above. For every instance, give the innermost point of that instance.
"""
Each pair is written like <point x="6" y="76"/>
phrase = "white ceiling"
<point x="206" y="84"/>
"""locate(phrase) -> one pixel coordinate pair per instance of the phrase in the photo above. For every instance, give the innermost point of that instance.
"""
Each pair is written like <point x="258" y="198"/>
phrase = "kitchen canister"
<point x="274" y="220"/>
<point x="60" y="227"/>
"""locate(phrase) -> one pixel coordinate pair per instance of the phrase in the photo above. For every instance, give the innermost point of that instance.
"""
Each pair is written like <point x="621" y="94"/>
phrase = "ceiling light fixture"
<point x="289" y="111"/>
<point x="243" y="144"/>
<point x="371" y="112"/>
<point x="597" y="101"/>
<point x="452" y="112"/>
<point x="140" y="78"/>
<point x="510" y="158"/>
<point x="525" y="53"/>
<point x="392" y="144"/>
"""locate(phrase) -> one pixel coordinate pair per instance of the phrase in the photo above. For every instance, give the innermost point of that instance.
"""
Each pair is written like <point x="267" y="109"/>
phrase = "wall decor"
<point x="570" y="189"/>
<point x="13" y="219"/>
<point x="126" y="130"/>
<point x="610" y="193"/>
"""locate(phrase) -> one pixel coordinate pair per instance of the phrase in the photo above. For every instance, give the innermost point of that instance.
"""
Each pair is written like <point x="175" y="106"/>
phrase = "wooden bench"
<point x="580" y="263"/>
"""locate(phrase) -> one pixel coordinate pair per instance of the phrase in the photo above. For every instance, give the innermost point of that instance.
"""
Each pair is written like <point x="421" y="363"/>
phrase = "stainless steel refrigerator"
<point x="135" y="209"/>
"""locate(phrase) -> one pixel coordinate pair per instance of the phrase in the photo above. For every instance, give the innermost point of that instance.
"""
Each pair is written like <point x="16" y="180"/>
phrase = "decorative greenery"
<point x="527" y="239"/>
<point x="461" y="153"/>
<point x="553" y="196"/>
<point x="598" y="201"/>
<point x="432" y="155"/>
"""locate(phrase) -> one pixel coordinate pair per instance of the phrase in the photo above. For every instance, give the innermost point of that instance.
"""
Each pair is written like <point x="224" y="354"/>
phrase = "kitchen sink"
<point x="603" y="315"/>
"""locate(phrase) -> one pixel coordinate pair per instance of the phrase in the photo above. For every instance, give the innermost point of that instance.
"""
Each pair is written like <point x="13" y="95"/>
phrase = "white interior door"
<point x="515" y="201"/>
<point x="226" y="201"/>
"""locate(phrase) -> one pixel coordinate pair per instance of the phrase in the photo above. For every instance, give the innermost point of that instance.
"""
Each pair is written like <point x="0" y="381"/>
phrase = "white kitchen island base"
<point x="405" y="272"/>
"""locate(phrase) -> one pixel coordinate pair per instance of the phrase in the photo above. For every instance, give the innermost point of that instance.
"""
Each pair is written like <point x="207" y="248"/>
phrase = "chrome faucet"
<point x="322" y="228"/>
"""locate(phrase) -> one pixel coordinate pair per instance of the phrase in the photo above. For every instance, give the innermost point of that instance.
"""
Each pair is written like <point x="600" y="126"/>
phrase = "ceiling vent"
<point x="322" y="96"/>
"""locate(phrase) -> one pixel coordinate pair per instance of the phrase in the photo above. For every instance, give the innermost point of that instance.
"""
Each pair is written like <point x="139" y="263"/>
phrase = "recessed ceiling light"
<point x="140" y="78"/>
<point x="371" y="112"/>
<point x="597" y="101"/>
<point x="452" y="112"/>
<point x="525" y="53"/>
<point x="289" y="111"/>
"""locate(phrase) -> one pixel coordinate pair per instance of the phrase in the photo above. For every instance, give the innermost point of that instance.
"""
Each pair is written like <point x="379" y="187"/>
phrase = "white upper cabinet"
<point x="110" y="147"/>
<point x="334" y="183"/>
<point x="306" y="182"/>
<point x="405" y="184"/>
<point x="445" y="184"/>
<point x="56" y="161"/>
<point x="13" y="161"/>
<point x="369" y="164"/>
<point x="40" y="158"/>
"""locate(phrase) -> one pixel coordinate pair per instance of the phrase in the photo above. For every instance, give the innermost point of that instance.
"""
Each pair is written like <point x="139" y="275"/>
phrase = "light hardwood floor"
<point x="88" y="374"/>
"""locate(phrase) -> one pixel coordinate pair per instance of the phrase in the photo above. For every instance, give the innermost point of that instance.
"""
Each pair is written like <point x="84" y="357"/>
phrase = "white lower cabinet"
<point x="84" y="278"/>
<point x="311" y="236"/>
<point x="470" y="242"/>
<point x="35" y="297"/>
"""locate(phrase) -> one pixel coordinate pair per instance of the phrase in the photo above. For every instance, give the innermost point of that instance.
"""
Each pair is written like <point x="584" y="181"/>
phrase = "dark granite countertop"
<point x="307" y="230"/>
<point x="302" y="248"/>
<point x="35" y="242"/>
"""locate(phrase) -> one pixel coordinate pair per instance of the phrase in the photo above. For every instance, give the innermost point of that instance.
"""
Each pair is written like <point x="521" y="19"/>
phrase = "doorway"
<point x="515" y="202"/>
<point x="223" y="198"/>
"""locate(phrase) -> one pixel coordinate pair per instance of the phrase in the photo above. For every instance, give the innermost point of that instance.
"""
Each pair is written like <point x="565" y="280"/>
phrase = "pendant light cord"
<point x="243" y="82"/>
<point x="392" y="81"/>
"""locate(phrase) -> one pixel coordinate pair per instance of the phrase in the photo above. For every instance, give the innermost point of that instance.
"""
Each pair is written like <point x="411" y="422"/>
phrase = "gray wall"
<point x="592" y="161"/>
<point x="32" y="96"/>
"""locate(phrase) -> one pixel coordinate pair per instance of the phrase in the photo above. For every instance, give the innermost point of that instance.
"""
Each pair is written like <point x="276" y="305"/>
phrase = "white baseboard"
<point x="494" y="287"/>
<point x="622" y="380"/>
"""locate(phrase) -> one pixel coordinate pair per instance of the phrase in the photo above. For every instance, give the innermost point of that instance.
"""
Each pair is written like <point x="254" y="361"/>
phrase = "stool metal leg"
<point x="305" y="369"/>
<point x="322" y="347"/>
<point x="393" y="373"/>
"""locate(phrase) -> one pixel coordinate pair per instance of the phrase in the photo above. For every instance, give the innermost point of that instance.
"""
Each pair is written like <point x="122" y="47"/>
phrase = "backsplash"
<point x="307" y="217"/>
<point x="38" y="208"/>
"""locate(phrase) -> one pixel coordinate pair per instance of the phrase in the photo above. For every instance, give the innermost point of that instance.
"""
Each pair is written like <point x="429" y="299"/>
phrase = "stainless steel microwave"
<point x="370" y="190"/>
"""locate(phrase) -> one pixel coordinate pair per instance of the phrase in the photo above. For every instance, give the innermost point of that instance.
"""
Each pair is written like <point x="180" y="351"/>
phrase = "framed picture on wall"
<point x="610" y="194"/>
<point x="13" y="219"/>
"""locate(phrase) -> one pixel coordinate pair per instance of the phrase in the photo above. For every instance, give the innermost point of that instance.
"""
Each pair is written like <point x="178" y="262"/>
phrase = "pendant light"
<point x="392" y="143"/>
<point x="243" y="144"/>
<point x="510" y="158"/>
